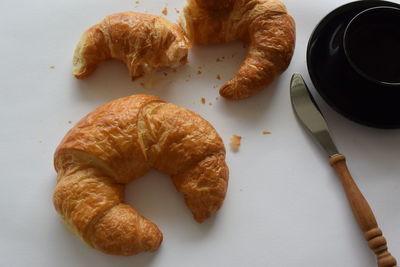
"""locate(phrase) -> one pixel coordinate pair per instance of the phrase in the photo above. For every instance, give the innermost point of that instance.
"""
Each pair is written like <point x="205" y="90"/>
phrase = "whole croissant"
<point x="143" y="41"/>
<point x="264" y="24"/>
<point x="116" y="144"/>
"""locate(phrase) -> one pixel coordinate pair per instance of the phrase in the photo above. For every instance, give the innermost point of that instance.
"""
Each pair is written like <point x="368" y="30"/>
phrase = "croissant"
<point x="264" y="24"/>
<point x="116" y="144"/>
<point x="144" y="42"/>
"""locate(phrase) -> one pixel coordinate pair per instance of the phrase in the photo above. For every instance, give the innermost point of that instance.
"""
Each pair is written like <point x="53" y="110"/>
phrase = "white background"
<point x="284" y="206"/>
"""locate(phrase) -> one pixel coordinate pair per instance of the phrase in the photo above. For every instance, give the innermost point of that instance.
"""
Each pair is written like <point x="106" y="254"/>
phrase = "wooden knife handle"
<point x="363" y="214"/>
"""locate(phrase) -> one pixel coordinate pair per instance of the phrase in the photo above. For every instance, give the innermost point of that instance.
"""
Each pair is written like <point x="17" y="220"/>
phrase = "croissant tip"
<point x="229" y="92"/>
<point x="79" y="76"/>
<point x="200" y="219"/>
<point x="153" y="246"/>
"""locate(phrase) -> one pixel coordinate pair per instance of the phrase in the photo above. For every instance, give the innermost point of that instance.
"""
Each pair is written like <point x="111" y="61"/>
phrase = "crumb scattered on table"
<point x="137" y="1"/>
<point x="142" y="84"/>
<point x="218" y="77"/>
<point x="215" y="86"/>
<point x="164" y="11"/>
<point x="218" y="59"/>
<point x="266" y="132"/>
<point x="235" y="142"/>
<point x="203" y="100"/>
<point x="173" y="70"/>
<point x="177" y="11"/>
<point x="52" y="67"/>
<point x="210" y="104"/>
<point x="165" y="74"/>
<point x="217" y="98"/>
<point x="69" y="122"/>
<point x="199" y="72"/>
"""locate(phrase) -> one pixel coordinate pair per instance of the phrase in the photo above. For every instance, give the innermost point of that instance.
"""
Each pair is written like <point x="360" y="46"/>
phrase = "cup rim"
<point x="346" y="50"/>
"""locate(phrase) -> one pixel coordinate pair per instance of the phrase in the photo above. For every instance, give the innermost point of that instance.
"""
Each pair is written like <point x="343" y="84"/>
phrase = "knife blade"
<point x="311" y="118"/>
<point x="310" y="115"/>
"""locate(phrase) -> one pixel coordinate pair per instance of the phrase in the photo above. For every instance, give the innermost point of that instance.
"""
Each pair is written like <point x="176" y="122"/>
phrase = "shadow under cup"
<point x="371" y="45"/>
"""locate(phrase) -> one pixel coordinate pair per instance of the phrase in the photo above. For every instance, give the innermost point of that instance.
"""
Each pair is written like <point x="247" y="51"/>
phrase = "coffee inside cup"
<point x="372" y="44"/>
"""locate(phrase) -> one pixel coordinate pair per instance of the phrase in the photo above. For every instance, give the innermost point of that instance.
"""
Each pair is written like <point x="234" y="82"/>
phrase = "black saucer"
<point x="359" y="100"/>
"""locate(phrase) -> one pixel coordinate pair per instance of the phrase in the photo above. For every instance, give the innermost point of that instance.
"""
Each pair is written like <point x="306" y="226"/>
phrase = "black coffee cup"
<point x="353" y="59"/>
<point x="371" y="45"/>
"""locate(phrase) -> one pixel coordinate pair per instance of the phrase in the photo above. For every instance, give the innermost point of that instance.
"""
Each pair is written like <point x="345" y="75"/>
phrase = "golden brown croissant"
<point x="143" y="41"/>
<point x="264" y="24"/>
<point x="116" y="144"/>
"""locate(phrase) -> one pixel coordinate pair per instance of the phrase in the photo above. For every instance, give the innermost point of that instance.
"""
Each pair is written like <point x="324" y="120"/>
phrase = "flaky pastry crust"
<point x="264" y="25"/>
<point x="144" y="42"/>
<point x="116" y="144"/>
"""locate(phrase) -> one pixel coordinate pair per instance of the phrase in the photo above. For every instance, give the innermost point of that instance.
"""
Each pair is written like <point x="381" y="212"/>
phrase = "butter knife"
<point x="311" y="118"/>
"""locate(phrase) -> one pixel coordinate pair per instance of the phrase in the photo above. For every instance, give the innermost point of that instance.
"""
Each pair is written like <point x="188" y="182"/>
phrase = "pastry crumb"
<point x="266" y="132"/>
<point x="164" y="11"/>
<point x="52" y="67"/>
<point x="215" y="86"/>
<point x="165" y="74"/>
<point x="137" y="1"/>
<point x="235" y="142"/>
<point x="199" y="72"/>
<point x="210" y="104"/>
<point x="142" y="84"/>
<point x="218" y="59"/>
<point x="177" y="11"/>
<point x="173" y="70"/>
<point x="218" y="77"/>
<point x="69" y="122"/>
<point x="203" y="100"/>
<point x="217" y="98"/>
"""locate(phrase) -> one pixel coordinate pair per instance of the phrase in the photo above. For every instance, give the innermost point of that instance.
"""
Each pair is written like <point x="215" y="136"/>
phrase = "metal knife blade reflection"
<point x="309" y="114"/>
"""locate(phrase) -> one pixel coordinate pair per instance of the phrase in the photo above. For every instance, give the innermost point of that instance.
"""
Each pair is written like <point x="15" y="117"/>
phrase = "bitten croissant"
<point x="264" y="24"/>
<point x="143" y="41"/>
<point x="116" y="144"/>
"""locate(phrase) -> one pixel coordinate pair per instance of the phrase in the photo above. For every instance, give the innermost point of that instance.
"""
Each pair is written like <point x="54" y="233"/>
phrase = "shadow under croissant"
<point x="155" y="197"/>
<point x="92" y="257"/>
<point x="253" y="109"/>
<point x="111" y="81"/>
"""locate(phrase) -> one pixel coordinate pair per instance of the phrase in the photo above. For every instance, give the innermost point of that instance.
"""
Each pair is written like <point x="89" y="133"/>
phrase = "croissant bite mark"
<point x="116" y="144"/>
<point x="264" y="24"/>
<point x="144" y="42"/>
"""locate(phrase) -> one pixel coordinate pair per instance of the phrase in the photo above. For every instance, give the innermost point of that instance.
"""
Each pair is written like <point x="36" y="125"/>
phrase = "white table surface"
<point x="284" y="206"/>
